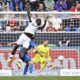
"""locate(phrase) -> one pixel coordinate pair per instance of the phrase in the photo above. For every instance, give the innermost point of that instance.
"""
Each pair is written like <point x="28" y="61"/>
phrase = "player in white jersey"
<point x="27" y="35"/>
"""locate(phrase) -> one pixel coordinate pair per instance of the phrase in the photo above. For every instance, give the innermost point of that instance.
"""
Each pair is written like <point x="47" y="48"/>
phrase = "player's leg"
<point x="18" y="42"/>
<point x="43" y="63"/>
<point x="27" y="58"/>
<point x="28" y="61"/>
<point x="12" y="53"/>
<point x="19" y="61"/>
<point x="26" y="45"/>
<point x="30" y="66"/>
<point x="23" y="52"/>
<point x="41" y="60"/>
<point x="26" y="69"/>
<point x="36" y="59"/>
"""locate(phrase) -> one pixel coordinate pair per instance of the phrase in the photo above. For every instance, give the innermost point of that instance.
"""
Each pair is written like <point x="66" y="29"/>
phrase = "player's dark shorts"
<point x="26" y="57"/>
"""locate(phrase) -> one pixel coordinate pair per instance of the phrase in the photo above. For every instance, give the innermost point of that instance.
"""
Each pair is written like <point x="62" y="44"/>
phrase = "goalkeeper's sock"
<point x="25" y="69"/>
<point x="31" y="68"/>
<point x="43" y="66"/>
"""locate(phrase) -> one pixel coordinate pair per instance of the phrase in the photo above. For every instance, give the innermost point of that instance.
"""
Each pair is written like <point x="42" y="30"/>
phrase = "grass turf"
<point x="41" y="78"/>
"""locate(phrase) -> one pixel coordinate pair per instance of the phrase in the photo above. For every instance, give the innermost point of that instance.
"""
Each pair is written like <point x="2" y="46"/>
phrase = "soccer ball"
<point x="61" y="58"/>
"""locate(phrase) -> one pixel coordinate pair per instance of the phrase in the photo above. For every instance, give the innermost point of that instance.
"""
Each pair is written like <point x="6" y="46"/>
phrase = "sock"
<point x="11" y="56"/>
<point x="31" y="68"/>
<point x="43" y="66"/>
<point x="25" y="69"/>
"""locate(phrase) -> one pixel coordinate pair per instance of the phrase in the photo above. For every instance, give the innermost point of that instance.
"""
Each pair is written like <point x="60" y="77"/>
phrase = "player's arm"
<point x="10" y="44"/>
<point x="46" y="18"/>
<point x="28" y="10"/>
<point x="48" y="56"/>
<point x="36" y="50"/>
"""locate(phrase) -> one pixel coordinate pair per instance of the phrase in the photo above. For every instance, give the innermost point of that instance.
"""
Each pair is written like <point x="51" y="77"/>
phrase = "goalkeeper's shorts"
<point x="38" y="59"/>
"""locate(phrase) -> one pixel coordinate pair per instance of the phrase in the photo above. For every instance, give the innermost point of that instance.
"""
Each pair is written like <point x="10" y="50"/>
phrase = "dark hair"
<point x="43" y="5"/>
<point x="38" y="21"/>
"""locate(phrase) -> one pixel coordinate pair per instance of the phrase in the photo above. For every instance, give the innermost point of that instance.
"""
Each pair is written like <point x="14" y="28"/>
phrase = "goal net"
<point x="64" y="39"/>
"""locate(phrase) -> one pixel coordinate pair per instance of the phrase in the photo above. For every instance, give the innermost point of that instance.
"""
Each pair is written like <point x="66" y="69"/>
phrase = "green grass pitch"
<point x="41" y="78"/>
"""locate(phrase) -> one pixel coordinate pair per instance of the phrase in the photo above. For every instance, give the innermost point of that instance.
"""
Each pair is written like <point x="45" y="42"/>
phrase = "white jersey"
<point x="31" y="28"/>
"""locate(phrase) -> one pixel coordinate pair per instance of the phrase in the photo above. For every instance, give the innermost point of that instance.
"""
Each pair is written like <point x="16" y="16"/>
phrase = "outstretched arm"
<point x="46" y="18"/>
<point x="10" y="44"/>
<point x="28" y="10"/>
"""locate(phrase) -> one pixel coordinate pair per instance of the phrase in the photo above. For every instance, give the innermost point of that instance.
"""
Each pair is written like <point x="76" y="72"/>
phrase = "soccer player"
<point x="27" y="35"/>
<point x="27" y="59"/>
<point x="42" y="54"/>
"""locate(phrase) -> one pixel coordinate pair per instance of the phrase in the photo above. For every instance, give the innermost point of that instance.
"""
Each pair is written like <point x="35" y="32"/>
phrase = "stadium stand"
<point x="59" y="5"/>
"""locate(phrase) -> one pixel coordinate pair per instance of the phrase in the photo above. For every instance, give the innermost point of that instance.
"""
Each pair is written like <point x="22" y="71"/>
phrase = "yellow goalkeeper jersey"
<point x="44" y="51"/>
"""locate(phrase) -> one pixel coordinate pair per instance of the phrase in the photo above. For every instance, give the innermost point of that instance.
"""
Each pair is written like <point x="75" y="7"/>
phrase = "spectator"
<point x="7" y="2"/>
<point x="48" y="3"/>
<point x="13" y="3"/>
<point x="20" y="4"/>
<point x="79" y="26"/>
<point x="60" y="5"/>
<point x="50" y="28"/>
<point x="76" y="8"/>
<point x="55" y="1"/>
<point x="56" y="21"/>
<point x="23" y="25"/>
<point x="4" y="24"/>
<point x="1" y="2"/>
<point x="12" y="23"/>
<point x="17" y="7"/>
<point x="71" y="27"/>
<point x="64" y="42"/>
<point x="0" y="25"/>
<point x="33" y="5"/>
<point x="71" y="3"/>
<point x="41" y="7"/>
<point x="11" y="26"/>
<point x="7" y="8"/>
<point x="1" y="8"/>
<point x="52" y="8"/>
<point x="17" y="26"/>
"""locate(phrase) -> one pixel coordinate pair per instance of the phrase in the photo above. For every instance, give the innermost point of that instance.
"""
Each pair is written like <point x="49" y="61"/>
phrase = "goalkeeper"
<point x="42" y="54"/>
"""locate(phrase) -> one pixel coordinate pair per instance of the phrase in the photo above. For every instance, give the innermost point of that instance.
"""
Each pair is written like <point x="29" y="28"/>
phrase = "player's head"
<point x="38" y="22"/>
<point x="45" y="42"/>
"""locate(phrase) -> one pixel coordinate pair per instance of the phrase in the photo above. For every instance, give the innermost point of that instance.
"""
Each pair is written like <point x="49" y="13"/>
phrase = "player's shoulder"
<point x="40" y="45"/>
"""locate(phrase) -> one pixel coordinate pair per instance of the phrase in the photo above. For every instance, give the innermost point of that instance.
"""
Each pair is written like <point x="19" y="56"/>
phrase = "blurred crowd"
<point x="40" y="5"/>
<point x="54" y="24"/>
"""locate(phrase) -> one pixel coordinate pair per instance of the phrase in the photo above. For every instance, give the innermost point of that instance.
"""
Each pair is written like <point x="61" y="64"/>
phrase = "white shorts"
<point x="24" y="40"/>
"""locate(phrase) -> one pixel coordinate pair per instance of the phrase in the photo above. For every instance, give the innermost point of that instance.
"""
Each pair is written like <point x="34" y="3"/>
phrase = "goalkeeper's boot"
<point x="9" y="59"/>
<point x="19" y="65"/>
